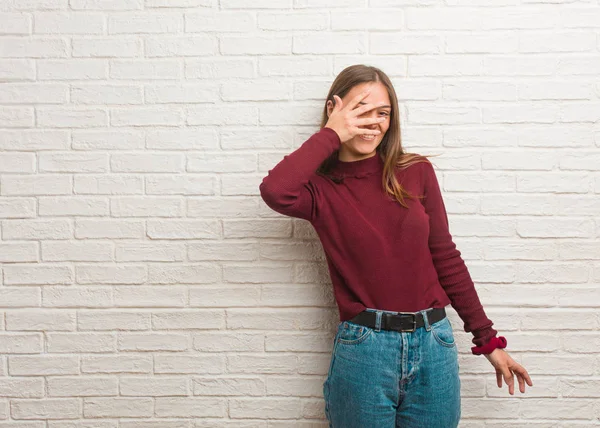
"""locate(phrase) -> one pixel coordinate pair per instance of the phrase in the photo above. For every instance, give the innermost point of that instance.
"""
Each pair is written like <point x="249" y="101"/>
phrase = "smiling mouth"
<point x="368" y="137"/>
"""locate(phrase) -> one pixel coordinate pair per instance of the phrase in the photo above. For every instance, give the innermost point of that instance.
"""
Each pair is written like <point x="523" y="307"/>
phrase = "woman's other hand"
<point x="508" y="368"/>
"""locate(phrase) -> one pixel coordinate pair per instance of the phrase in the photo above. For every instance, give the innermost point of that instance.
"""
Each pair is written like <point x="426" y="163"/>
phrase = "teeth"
<point x="368" y="137"/>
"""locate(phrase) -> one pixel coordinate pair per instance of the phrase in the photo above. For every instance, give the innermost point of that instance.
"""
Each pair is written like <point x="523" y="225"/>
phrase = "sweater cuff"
<point x="488" y="348"/>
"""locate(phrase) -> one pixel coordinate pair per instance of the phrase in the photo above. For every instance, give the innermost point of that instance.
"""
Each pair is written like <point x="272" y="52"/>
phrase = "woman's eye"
<point x="385" y="113"/>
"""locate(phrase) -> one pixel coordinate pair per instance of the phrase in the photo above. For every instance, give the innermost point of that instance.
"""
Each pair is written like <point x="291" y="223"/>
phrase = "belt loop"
<point x="378" y="320"/>
<point x="426" y="323"/>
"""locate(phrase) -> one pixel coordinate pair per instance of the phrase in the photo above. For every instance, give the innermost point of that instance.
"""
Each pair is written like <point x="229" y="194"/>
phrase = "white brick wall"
<point x="146" y="285"/>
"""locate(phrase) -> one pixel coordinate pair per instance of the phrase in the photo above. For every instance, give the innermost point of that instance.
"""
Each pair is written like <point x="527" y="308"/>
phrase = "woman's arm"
<point x="286" y="188"/>
<point x="459" y="287"/>
<point x="452" y="271"/>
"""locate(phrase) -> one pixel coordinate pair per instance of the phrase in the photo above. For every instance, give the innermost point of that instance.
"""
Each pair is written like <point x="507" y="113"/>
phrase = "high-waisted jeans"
<point x="388" y="379"/>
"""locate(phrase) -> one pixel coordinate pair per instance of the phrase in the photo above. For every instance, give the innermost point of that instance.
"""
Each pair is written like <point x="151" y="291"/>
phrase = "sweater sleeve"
<point x="452" y="271"/>
<point x="286" y="188"/>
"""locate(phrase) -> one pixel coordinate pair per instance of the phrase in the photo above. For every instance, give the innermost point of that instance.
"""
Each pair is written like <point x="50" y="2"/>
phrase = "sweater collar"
<point x="359" y="168"/>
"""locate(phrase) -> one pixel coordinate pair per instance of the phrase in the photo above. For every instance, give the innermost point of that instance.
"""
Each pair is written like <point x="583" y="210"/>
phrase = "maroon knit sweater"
<point x="380" y="255"/>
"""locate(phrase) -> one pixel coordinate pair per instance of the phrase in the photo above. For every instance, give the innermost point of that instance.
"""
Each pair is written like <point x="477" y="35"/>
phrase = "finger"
<point x="339" y="104"/>
<point x="354" y="101"/>
<point x="368" y="120"/>
<point x="521" y="382"/>
<point x="365" y="108"/>
<point x="509" y="379"/>
<point x="366" y="131"/>
<point x="522" y="372"/>
<point x="499" y="378"/>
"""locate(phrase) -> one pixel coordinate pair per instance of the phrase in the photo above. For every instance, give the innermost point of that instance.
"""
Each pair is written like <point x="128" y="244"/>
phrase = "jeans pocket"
<point x="442" y="332"/>
<point x="353" y="334"/>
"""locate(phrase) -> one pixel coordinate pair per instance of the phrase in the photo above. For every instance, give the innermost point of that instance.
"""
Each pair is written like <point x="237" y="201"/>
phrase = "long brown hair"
<point x="390" y="148"/>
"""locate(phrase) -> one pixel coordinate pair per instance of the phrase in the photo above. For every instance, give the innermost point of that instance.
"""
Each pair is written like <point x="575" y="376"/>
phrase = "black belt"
<point x="404" y="321"/>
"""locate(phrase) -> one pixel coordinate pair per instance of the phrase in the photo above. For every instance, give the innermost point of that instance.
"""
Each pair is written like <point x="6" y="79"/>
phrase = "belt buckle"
<point x="414" y="320"/>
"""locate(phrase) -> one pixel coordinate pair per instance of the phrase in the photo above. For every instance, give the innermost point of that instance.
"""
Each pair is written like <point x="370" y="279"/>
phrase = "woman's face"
<point x="360" y="148"/>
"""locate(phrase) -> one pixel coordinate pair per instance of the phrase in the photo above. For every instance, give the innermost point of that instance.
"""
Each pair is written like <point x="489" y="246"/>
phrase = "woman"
<point x="379" y="214"/>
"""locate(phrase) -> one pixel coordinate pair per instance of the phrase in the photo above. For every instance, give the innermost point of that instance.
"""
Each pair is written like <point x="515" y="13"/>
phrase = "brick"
<point x="154" y="387"/>
<point x="228" y="207"/>
<point x="229" y="386"/>
<point x="285" y="21"/>
<point x="117" y="364"/>
<point x="259" y="91"/>
<point x="112" y="320"/>
<point x="16" y="70"/>
<point x="186" y="93"/>
<point x="43" y="365"/>
<point x="68" y="23"/>
<point x="190" y="184"/>
<point x="106" y="4"/>
<point x="106" y="94"/>
<point x="81" y="342"/>
<point x="37" y="274"/>
<point x="77" y="251"/>
<point x="114" y="139"/>
<point x="58" y="408"/>
<point x="278" y="408"/>
<point x="19" y="252"/>
<point x="146" y="22"/>
<point x="118" y="47"/>
<point x="256" y="45"/>
<point x="19" y="93"/>
<point x="218" y="162"/>
<point x="83" y="386"/>
<point x="187" y="274"/>
<point x="189" y="407"/>
<point x="146" y="206"/>
<point x="218" y="68"/>
<point x="73" y="205"/>
<point x="40" y="320"/>
<point x="119" y="407"/>
<point x="219" y="21"/>
<point x="74" y="297"/>
<point x="22" y="47"/>
<point x="182" y="139"/>
<point x="73" y="162"/>
<point x="225" y="296"/>
<point x="16" y="117"/>
<point x="111" y="184"/>
<point x="146" y="116"/>
<point x="109" y="229"/>
<point x="181" y="46"/>
<point x="183" y="320"/>
<point x="15" y="23"/>
<point x="183" y="229"/>
<point x="22" y="388"/>
<point x="194" y="364"/>
<point x="152" y="251"/>
<point x="293" y="66"/>
<point x="324" y="43"/>
<point x="33" y="140"/>
<point x="37" y="229"/>
<point x="173" y="162"/>
<point x="38" y="184"/>
<point x="20" y="343"/>
<point x="155" y="296"/>
<point x="145" y="69"/>
<point x="222" y="115"/>
<point x="153" y="342"/>
<point x="216" y="250"/>
<point x="71" y="117"/>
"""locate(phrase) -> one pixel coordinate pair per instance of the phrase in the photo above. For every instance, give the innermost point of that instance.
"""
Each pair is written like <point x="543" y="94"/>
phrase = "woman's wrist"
<point x="488" y="348"/>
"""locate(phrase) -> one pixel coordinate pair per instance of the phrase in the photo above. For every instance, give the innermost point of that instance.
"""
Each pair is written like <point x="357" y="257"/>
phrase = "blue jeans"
<point x="388" y="379"/>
